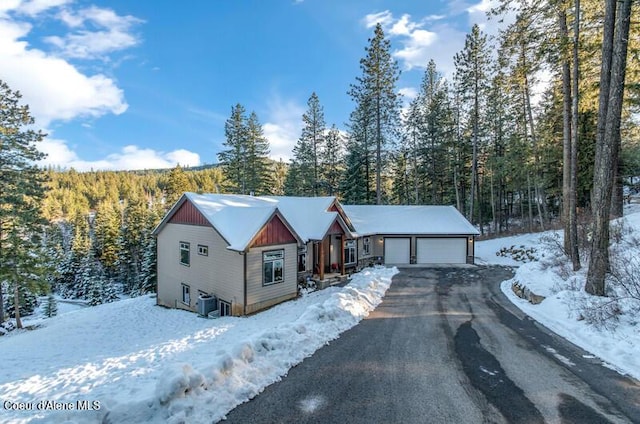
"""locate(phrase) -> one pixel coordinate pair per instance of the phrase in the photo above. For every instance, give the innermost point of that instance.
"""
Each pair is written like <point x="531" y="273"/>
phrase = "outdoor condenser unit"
<point x="206" y="304"/>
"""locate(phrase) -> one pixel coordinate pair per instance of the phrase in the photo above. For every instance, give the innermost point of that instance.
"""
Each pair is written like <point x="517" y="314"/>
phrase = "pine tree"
<point x="148" y="277"/>
<point x="313" y="136"/>
<point x="377" y="103"/>
<point x="51" y="306"/>
<point x="233" y="159"/>
<point x="331" y="160"/>
<point x="106" y="232"/>
<point x="21" y="195"/>
<point x="472" y="66"/>
<point x="258" y="167"/>
<point x="177" y="184"/>
<point x="300" y="178"/>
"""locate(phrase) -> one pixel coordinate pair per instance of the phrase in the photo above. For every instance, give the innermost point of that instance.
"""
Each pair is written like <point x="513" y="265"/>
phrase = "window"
<point x="366" y="246"/>
<point x="185" y="259"/>
<point x="186" y="294"/>
<point x="273" y="267"/>
<point x="302" y="262"/>
<point x="350" y="252"/>
<point x="225" y="308"/>
<point x="203" y="250"/>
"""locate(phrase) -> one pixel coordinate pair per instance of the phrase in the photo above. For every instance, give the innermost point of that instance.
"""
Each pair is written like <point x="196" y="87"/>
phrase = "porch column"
<point x="321" y="270"/>
<point x="342" y="242"/>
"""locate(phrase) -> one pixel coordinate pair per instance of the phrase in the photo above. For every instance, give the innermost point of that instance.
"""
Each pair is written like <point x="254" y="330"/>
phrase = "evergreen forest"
<point x="537" y="128"/>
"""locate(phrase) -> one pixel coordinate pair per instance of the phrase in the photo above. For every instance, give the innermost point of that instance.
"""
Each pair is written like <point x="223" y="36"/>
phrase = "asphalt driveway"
<point x="446" y="346"/>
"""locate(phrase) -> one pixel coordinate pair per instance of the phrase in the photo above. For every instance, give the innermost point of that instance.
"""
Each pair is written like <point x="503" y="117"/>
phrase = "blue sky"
<point x="123" y="84"/>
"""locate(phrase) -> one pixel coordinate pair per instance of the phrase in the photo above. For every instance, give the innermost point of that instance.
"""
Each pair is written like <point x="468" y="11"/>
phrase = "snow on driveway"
<point x="132" y="361"/>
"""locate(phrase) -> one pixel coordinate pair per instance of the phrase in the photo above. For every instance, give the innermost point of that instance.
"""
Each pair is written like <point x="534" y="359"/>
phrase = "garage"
<point x="397" y="250"/>
<point x="441" y="250"/>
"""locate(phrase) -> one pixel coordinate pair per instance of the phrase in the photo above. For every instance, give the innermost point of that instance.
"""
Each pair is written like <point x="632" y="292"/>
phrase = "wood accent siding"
<point x="274" y="232"/>
<point x="335" y="228"/>
<point x="188" y="214"/>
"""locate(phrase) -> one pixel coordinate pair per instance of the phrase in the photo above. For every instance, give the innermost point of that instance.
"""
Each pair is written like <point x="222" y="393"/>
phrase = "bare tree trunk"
<point x="16" y="305"/>
<point x="614" y="52"/>
<point x="617" y="201"/>
<point x="573" y="180"/>
<point x="494" y="219"/>
<point x="1" y="305"/>
<point x="529" y="202"/>
<point x="566" y="131"/>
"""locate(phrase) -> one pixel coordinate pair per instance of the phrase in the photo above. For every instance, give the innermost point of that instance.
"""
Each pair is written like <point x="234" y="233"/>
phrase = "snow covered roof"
<point x="239" y="218"/>
<point x="307" y="215"/>
<point x="379" y="219"/>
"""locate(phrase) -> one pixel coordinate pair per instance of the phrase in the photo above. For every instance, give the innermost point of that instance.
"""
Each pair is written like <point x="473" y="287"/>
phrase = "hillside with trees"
<point x="480" y="139"/>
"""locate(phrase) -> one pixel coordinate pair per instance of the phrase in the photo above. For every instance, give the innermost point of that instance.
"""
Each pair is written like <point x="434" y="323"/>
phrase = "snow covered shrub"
<point x="601" y="312"/>
<point x="306" y="286"/>
<point x="520" y="254"/>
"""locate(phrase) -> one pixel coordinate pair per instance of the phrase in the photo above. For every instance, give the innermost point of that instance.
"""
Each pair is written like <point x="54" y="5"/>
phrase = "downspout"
<point x="244" y="272"/>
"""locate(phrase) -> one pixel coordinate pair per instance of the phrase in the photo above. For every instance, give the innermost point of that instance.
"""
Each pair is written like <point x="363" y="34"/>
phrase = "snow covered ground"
<point x="143" y="363"/>
<point x="615" y="342"/>
<point x="132" y="361"/>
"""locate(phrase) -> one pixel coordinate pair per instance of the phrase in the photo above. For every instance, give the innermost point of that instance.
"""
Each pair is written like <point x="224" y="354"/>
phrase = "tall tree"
<point x="233" y="159"/>
<point x="258" y="179"/>
<point x="21" y="194"/>
<point x="313" y="133"/>
<point x="377" y="100"/>
<point x="612" y="81"/>
<point x="472" y="67"/>
<point x="331" y="161"/>
<point x="245" y="162"/>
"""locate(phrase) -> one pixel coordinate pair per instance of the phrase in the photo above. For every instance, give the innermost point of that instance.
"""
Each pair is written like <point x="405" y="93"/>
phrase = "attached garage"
<point x="397" y="250"/>
<point x="441" y="250"/>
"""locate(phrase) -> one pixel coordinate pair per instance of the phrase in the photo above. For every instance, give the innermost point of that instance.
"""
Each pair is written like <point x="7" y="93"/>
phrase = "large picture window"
<point x="185" y="258"/>
<point x="273" y="267"/>
<point x="350" y="252"/>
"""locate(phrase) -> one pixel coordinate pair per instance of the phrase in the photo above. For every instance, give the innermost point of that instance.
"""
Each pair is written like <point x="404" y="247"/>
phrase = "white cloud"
<point x="283" y="127"/>
<point x="385" y="18"/>
<point x="54" y="88"/>
<point x="409" y="93"/>
<point x="128" y="158"/>
<point x="114" y="34"/>
<point x="404" y="26"/>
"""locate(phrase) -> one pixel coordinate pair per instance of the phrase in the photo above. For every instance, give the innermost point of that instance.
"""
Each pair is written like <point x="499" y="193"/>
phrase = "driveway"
<point x="446" y="346"/>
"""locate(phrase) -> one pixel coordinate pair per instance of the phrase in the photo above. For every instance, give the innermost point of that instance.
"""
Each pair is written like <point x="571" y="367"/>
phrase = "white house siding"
<point x="220" y="273"/>
<point x="260" y="296"/>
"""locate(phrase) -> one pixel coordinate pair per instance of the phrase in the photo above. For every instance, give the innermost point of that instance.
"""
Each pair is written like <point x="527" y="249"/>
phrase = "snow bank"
<point x="618" y="347"/>
<point x="171" y="366"/>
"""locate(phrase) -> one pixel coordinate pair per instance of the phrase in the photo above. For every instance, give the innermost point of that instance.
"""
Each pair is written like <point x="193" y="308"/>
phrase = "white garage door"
<point x="396" y="250"/>
<point x="441" y="250"/>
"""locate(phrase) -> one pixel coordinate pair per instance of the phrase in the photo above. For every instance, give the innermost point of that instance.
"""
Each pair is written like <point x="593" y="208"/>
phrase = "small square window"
<point x="203" y="250"/>
<point x="185" y="258"/>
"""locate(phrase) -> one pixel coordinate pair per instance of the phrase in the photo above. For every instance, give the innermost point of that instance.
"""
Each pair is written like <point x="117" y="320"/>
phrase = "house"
<point x="238" y="248"/>
<point x="327" y="234"/>
<point x="251" y="252"/>
<point x="418" y="234"/>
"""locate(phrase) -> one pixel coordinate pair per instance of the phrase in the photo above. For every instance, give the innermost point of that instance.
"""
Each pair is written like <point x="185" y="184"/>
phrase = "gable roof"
<point x="238" y="219"/>
<point x="309" y="216"/>
<point x="419" y="219"/>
